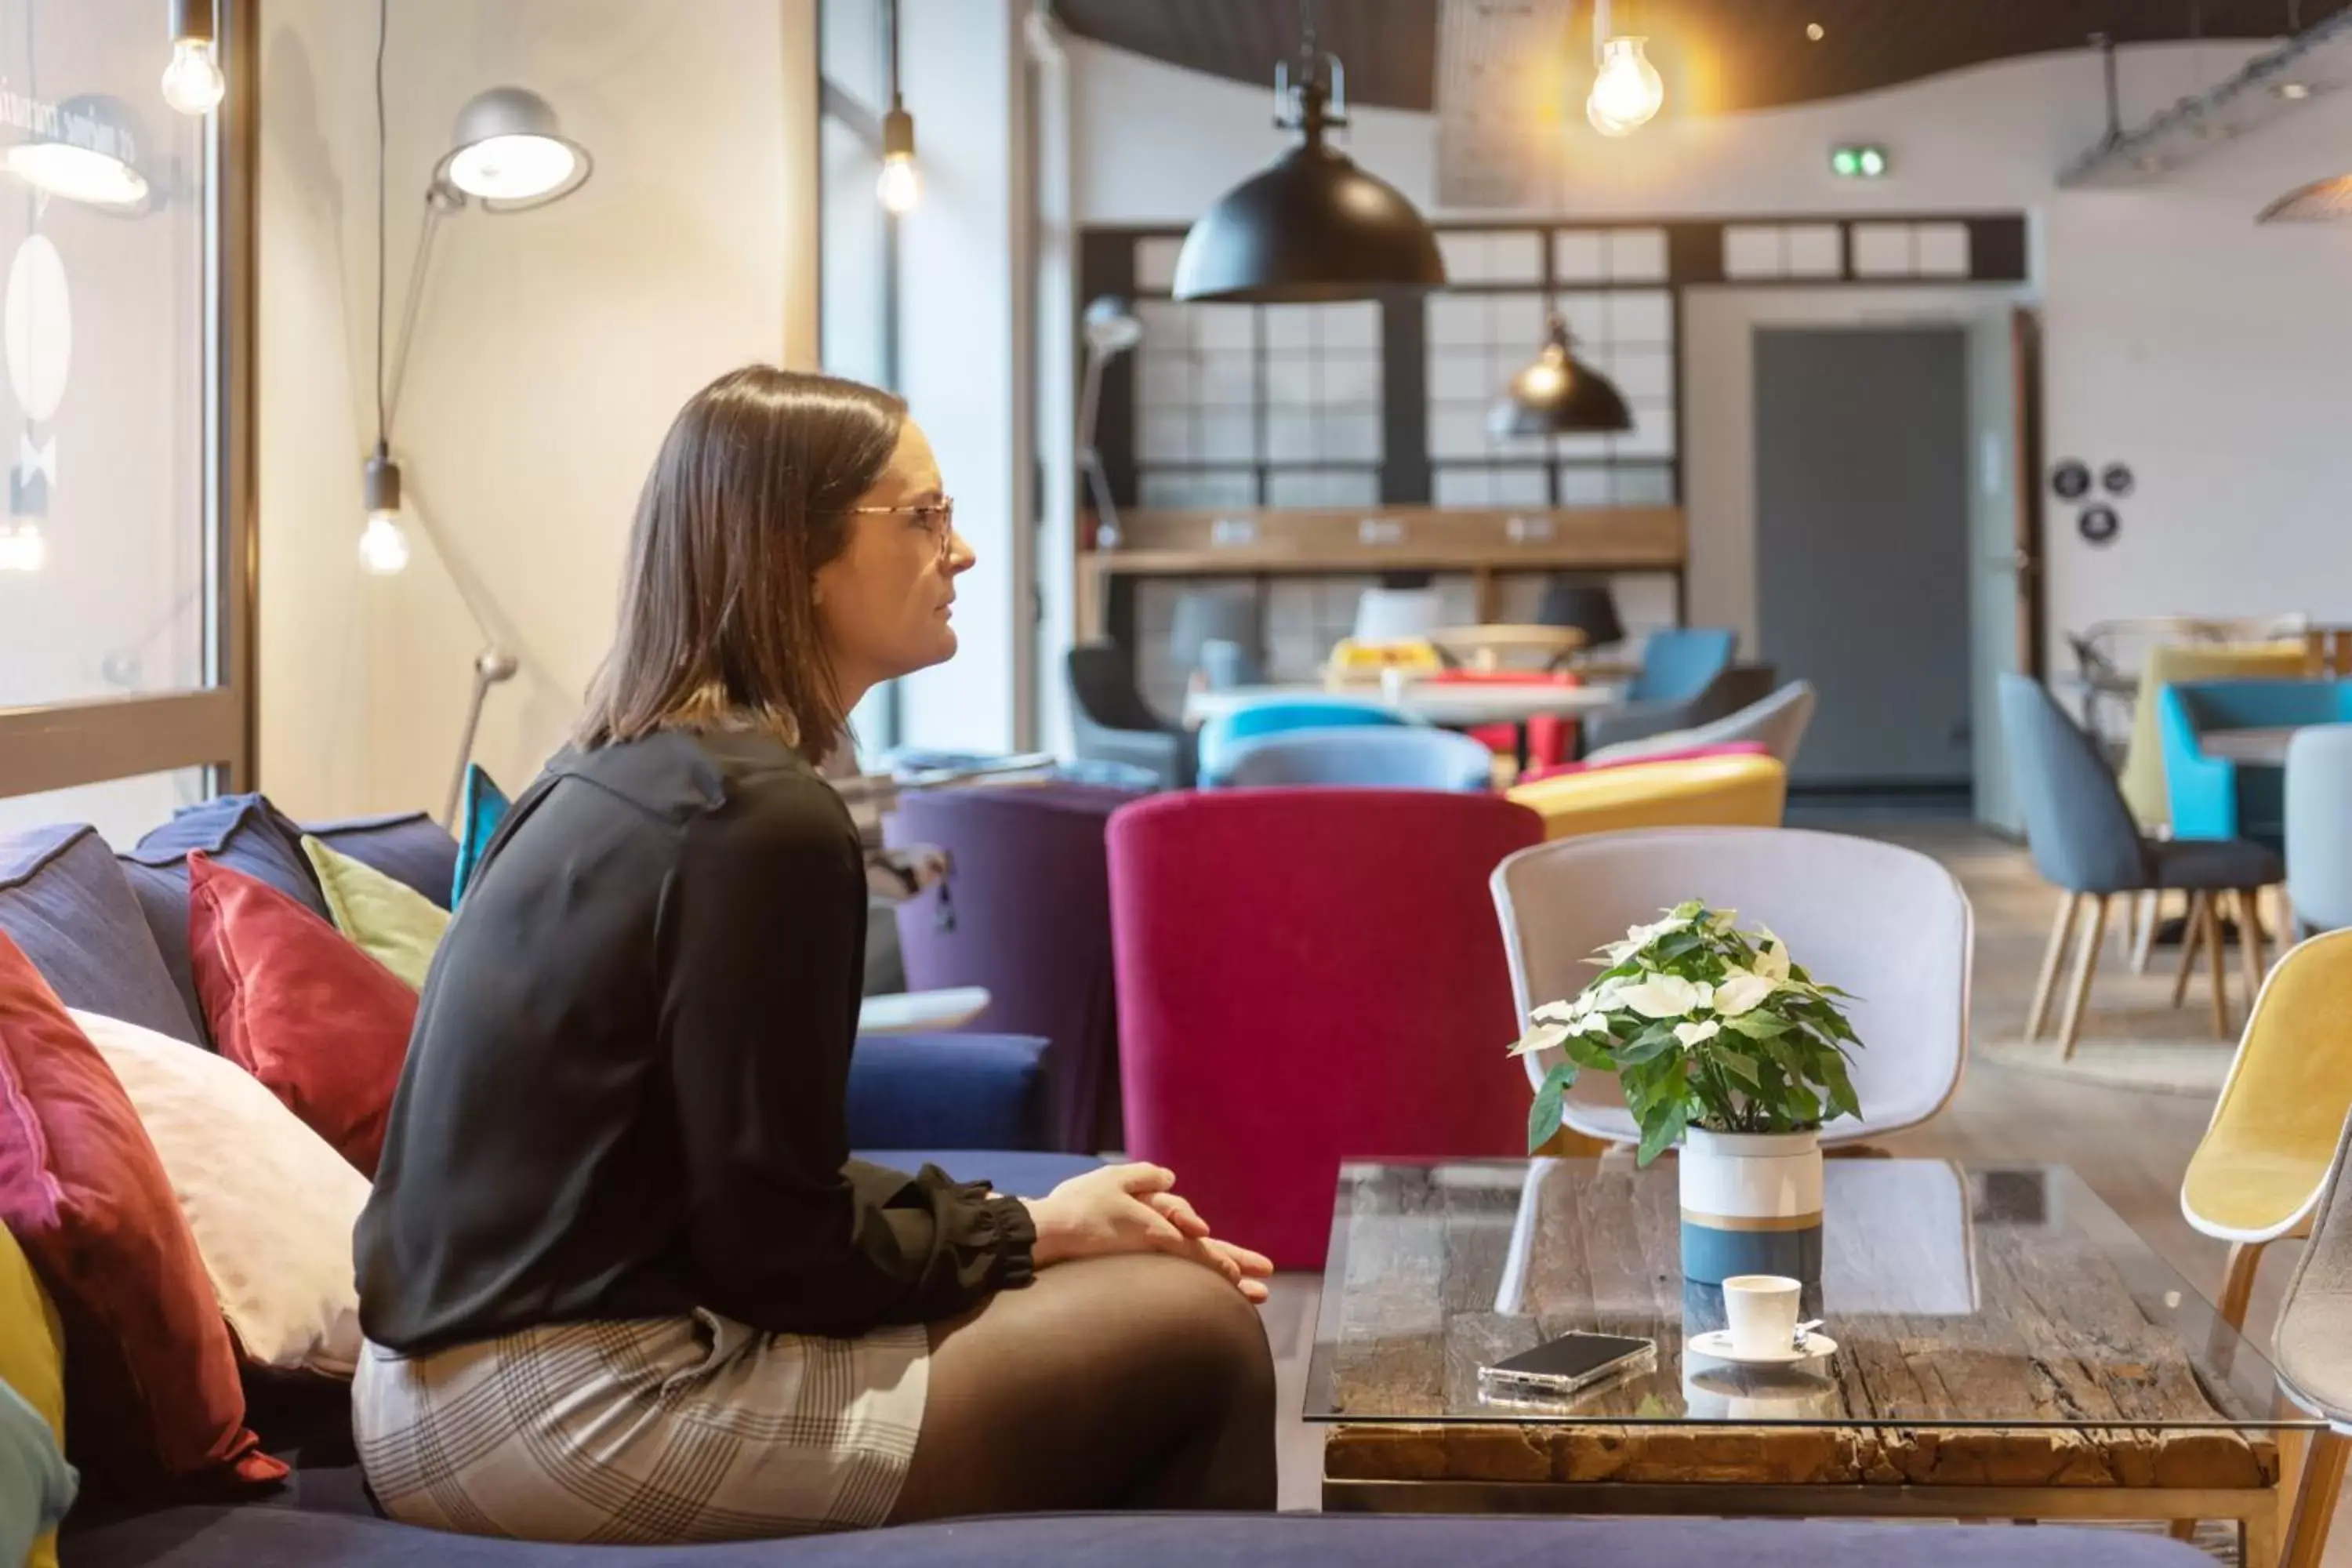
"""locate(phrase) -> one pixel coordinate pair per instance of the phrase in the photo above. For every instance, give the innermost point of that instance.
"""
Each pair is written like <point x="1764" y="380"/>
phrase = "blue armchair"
<point x="2213" y="796"/>
<point x="1385" y="757"/>
<point x="1223" y="738"/>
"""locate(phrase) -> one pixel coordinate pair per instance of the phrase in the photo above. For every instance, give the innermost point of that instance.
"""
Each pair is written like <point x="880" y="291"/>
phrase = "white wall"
<point x="553" y="349"/>
<point x="2209" y="353"/>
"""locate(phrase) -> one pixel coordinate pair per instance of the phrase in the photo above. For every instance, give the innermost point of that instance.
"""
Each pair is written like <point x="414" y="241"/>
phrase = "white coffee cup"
<point x="1761" y="1312"/>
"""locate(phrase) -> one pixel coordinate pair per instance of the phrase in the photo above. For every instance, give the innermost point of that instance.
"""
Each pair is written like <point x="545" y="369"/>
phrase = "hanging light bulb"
<point x="22" y="549"/>
<point x="1628" y="93"/>
<point x="900" y="186"/>
<point x="193" y="82"/>
<point x="383" y="543"/>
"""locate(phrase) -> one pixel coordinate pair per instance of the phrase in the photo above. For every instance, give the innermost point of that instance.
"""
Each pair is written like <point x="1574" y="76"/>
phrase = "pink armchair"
<point x="1308" y="976"/>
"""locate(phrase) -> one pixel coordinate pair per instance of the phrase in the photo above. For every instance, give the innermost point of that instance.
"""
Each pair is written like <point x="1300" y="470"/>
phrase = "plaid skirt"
<point x="668" y="1430"/>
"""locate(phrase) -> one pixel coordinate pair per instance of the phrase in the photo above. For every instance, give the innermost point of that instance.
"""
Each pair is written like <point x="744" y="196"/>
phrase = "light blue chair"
<point x="1221" y="737"/>
<point x="2320" y="826"/>
<point x="2086" y="841"/>
<point x="1226" y="664"/>
<point x="2213" y="796"/>
<point x="1678" y="662"/>
<point x="1377" y="757"/>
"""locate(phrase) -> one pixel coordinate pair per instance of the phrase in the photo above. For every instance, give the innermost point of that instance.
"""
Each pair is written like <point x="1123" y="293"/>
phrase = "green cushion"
<point x="389" y="921"/>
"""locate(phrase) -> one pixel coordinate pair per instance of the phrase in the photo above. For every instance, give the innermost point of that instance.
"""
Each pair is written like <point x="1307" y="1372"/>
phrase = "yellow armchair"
<point x="1694" y="791"/>
<point x="2258" y="1173"/>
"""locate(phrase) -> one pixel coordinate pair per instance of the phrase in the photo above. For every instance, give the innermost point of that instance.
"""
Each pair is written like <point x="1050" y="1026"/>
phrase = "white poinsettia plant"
<point x="1706" y="1026"/>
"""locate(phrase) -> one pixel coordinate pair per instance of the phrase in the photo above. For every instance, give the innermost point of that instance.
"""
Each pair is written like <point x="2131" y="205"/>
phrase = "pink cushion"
<point x="150" y="1370"/>
<point x="1308" y="976"/>
<point x="1728" y="748"/>
<point x="293" y="1001"/>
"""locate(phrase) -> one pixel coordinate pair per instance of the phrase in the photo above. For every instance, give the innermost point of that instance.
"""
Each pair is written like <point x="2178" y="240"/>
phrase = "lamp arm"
<point x="1090" y="458"/>
<point x="413" y="305"/>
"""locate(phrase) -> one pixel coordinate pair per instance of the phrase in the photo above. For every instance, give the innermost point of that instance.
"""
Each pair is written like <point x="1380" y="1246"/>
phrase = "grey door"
<point x="1862" y="561"/>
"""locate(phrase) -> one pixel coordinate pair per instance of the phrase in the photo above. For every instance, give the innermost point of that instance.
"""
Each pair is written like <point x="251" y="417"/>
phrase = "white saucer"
<point x="1717" y="1346"/>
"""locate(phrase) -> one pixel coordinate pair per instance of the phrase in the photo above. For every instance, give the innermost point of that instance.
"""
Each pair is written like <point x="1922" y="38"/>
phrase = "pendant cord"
<point x="382" y="422"/>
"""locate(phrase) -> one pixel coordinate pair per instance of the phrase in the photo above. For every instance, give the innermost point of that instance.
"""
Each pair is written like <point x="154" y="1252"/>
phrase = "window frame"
<point x="55" y="746"/>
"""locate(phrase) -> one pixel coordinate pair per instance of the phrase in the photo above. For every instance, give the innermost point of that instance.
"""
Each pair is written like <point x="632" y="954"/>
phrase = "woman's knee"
<point x="1206" y="1321"/>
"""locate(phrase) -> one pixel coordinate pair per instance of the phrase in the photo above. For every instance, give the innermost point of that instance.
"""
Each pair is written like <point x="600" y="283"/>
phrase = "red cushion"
<point x="150" y="1370"/>
<point x="289" y="999"/>
<point x="1688" y="754"/>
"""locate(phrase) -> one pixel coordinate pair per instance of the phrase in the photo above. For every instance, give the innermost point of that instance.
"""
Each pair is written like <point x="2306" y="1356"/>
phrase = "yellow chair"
<point x="33" y="1361"/>
<point x="2260" y="1169"/>
<point x="1694" y="791"/>
<point x="1353" y="661"/>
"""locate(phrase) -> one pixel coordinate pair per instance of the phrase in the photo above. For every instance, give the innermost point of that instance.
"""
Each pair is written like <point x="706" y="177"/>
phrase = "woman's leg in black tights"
<point x="1142" y="1381"/>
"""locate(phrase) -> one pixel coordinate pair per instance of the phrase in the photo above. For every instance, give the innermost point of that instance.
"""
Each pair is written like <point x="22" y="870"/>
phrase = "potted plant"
<point x="1720" y="1043"/>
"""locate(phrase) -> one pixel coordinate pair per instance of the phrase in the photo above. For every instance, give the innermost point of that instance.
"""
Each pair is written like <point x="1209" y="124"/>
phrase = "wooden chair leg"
<point x="2215" y="940"/>
<point x="2253" y="899"/>
<point x="2061" y="927"/>
<point x="2250" y="942"/>
<point x="2149" y="908"/>
<point x="2314" y="1503"/>
<point x="2192" y="937"/>
<point x="2183" y="1529"/>
<point x="2086" y="960"/>
<point x="2237" y="1280"/>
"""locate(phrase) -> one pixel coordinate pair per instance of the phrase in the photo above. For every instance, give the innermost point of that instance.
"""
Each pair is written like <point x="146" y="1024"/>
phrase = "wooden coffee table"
<point x="2008" y="1349"/>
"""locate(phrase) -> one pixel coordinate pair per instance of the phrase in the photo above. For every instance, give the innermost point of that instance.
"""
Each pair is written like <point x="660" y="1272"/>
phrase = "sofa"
<point x="108" y="933"/>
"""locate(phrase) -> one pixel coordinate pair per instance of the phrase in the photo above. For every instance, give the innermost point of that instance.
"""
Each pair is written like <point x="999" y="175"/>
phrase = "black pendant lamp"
<point x="1558" y="395"/>
<point x="1313" y="226"/>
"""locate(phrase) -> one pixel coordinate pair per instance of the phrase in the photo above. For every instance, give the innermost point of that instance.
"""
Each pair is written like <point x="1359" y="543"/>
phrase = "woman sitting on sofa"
<point x="620" y="1278"/>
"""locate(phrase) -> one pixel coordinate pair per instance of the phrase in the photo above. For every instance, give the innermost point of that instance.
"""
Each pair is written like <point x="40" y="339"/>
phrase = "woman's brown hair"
<point x="749" y="497"/>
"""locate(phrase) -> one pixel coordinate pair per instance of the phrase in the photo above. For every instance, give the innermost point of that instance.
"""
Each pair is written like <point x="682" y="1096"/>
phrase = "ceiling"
<point x="1725" y="54"/>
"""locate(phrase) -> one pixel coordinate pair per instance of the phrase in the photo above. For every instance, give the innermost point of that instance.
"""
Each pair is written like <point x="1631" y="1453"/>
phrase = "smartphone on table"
<point x="1566" y="1364"/>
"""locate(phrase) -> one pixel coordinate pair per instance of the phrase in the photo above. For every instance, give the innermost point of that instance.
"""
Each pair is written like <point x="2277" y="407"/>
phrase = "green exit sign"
<point x="1859" y="162"/>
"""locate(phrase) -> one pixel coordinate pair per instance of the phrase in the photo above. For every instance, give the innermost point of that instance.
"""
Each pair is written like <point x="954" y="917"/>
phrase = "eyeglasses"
<point x="936" y="517"/>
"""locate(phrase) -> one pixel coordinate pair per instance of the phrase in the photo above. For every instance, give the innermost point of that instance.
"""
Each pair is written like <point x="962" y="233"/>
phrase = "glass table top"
<point x="1976" y="1295"/>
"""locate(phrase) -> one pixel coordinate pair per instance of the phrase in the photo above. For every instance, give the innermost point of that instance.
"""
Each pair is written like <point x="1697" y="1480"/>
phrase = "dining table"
<point x="1466" y="705"/>
<point x="2263" y="747"/>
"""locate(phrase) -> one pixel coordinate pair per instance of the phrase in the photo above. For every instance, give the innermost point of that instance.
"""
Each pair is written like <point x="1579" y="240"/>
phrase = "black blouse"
<point x="625" y="1095"/>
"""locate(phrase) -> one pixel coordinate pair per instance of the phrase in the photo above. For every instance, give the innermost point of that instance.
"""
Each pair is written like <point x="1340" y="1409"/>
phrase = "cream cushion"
<point x="271" y="1202"/>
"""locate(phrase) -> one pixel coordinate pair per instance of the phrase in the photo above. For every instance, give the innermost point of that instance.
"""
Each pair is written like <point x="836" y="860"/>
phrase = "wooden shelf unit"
<point x="1270" y="542"/>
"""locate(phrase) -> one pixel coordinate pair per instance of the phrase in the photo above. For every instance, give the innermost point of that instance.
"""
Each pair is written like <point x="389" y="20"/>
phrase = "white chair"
<point x="1884" y="922"/>
<point x="1398" y="615"/>
<point x="1777" y="723"/>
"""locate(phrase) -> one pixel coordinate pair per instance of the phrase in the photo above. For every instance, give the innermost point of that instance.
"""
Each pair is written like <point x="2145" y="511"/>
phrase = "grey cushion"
<point x="408" y="847"/>
<point x="243" y="832"/>
<point x="66" y="901"/>
<point x="2205" y="864"/>
<point x="269" y="1538"/>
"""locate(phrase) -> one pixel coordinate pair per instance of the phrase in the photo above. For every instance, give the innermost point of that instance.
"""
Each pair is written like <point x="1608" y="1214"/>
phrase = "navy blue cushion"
<point x="271" y="1538"/>
<point x="66" y="901"/>
<point x="408" y="847"/>
<point x="947" y="1091"/>
<point x="243" y="832"/>
<point x="1016" y="1173"/>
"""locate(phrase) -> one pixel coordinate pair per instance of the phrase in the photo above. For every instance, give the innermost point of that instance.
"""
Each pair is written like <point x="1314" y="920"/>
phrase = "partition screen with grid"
<point x="1368" y="404"/>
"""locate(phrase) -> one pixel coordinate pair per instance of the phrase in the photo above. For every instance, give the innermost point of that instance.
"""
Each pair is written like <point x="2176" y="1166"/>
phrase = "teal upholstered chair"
<point x="1368" y="756"/>
<point x="1223" y="736"/>
<point x="2213" y="796"/>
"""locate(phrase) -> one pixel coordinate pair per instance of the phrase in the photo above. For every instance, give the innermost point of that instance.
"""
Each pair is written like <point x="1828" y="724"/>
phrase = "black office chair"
<point x="1113" y="723"/>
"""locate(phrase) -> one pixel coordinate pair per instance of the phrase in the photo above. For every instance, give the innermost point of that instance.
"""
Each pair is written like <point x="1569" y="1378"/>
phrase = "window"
<point x="123" y="620"/>
<point x="856" y="242"/>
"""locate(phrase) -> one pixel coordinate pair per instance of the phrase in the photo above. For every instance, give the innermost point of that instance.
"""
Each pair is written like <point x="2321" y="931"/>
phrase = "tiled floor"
<point x="2130" y="1146"/>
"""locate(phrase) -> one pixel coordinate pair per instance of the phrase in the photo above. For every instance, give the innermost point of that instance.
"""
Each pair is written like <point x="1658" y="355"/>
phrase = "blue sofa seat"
<point x="1016" y="1173"/>
<point x="270" y="1537"/>
<point x="2214" y="797"/>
